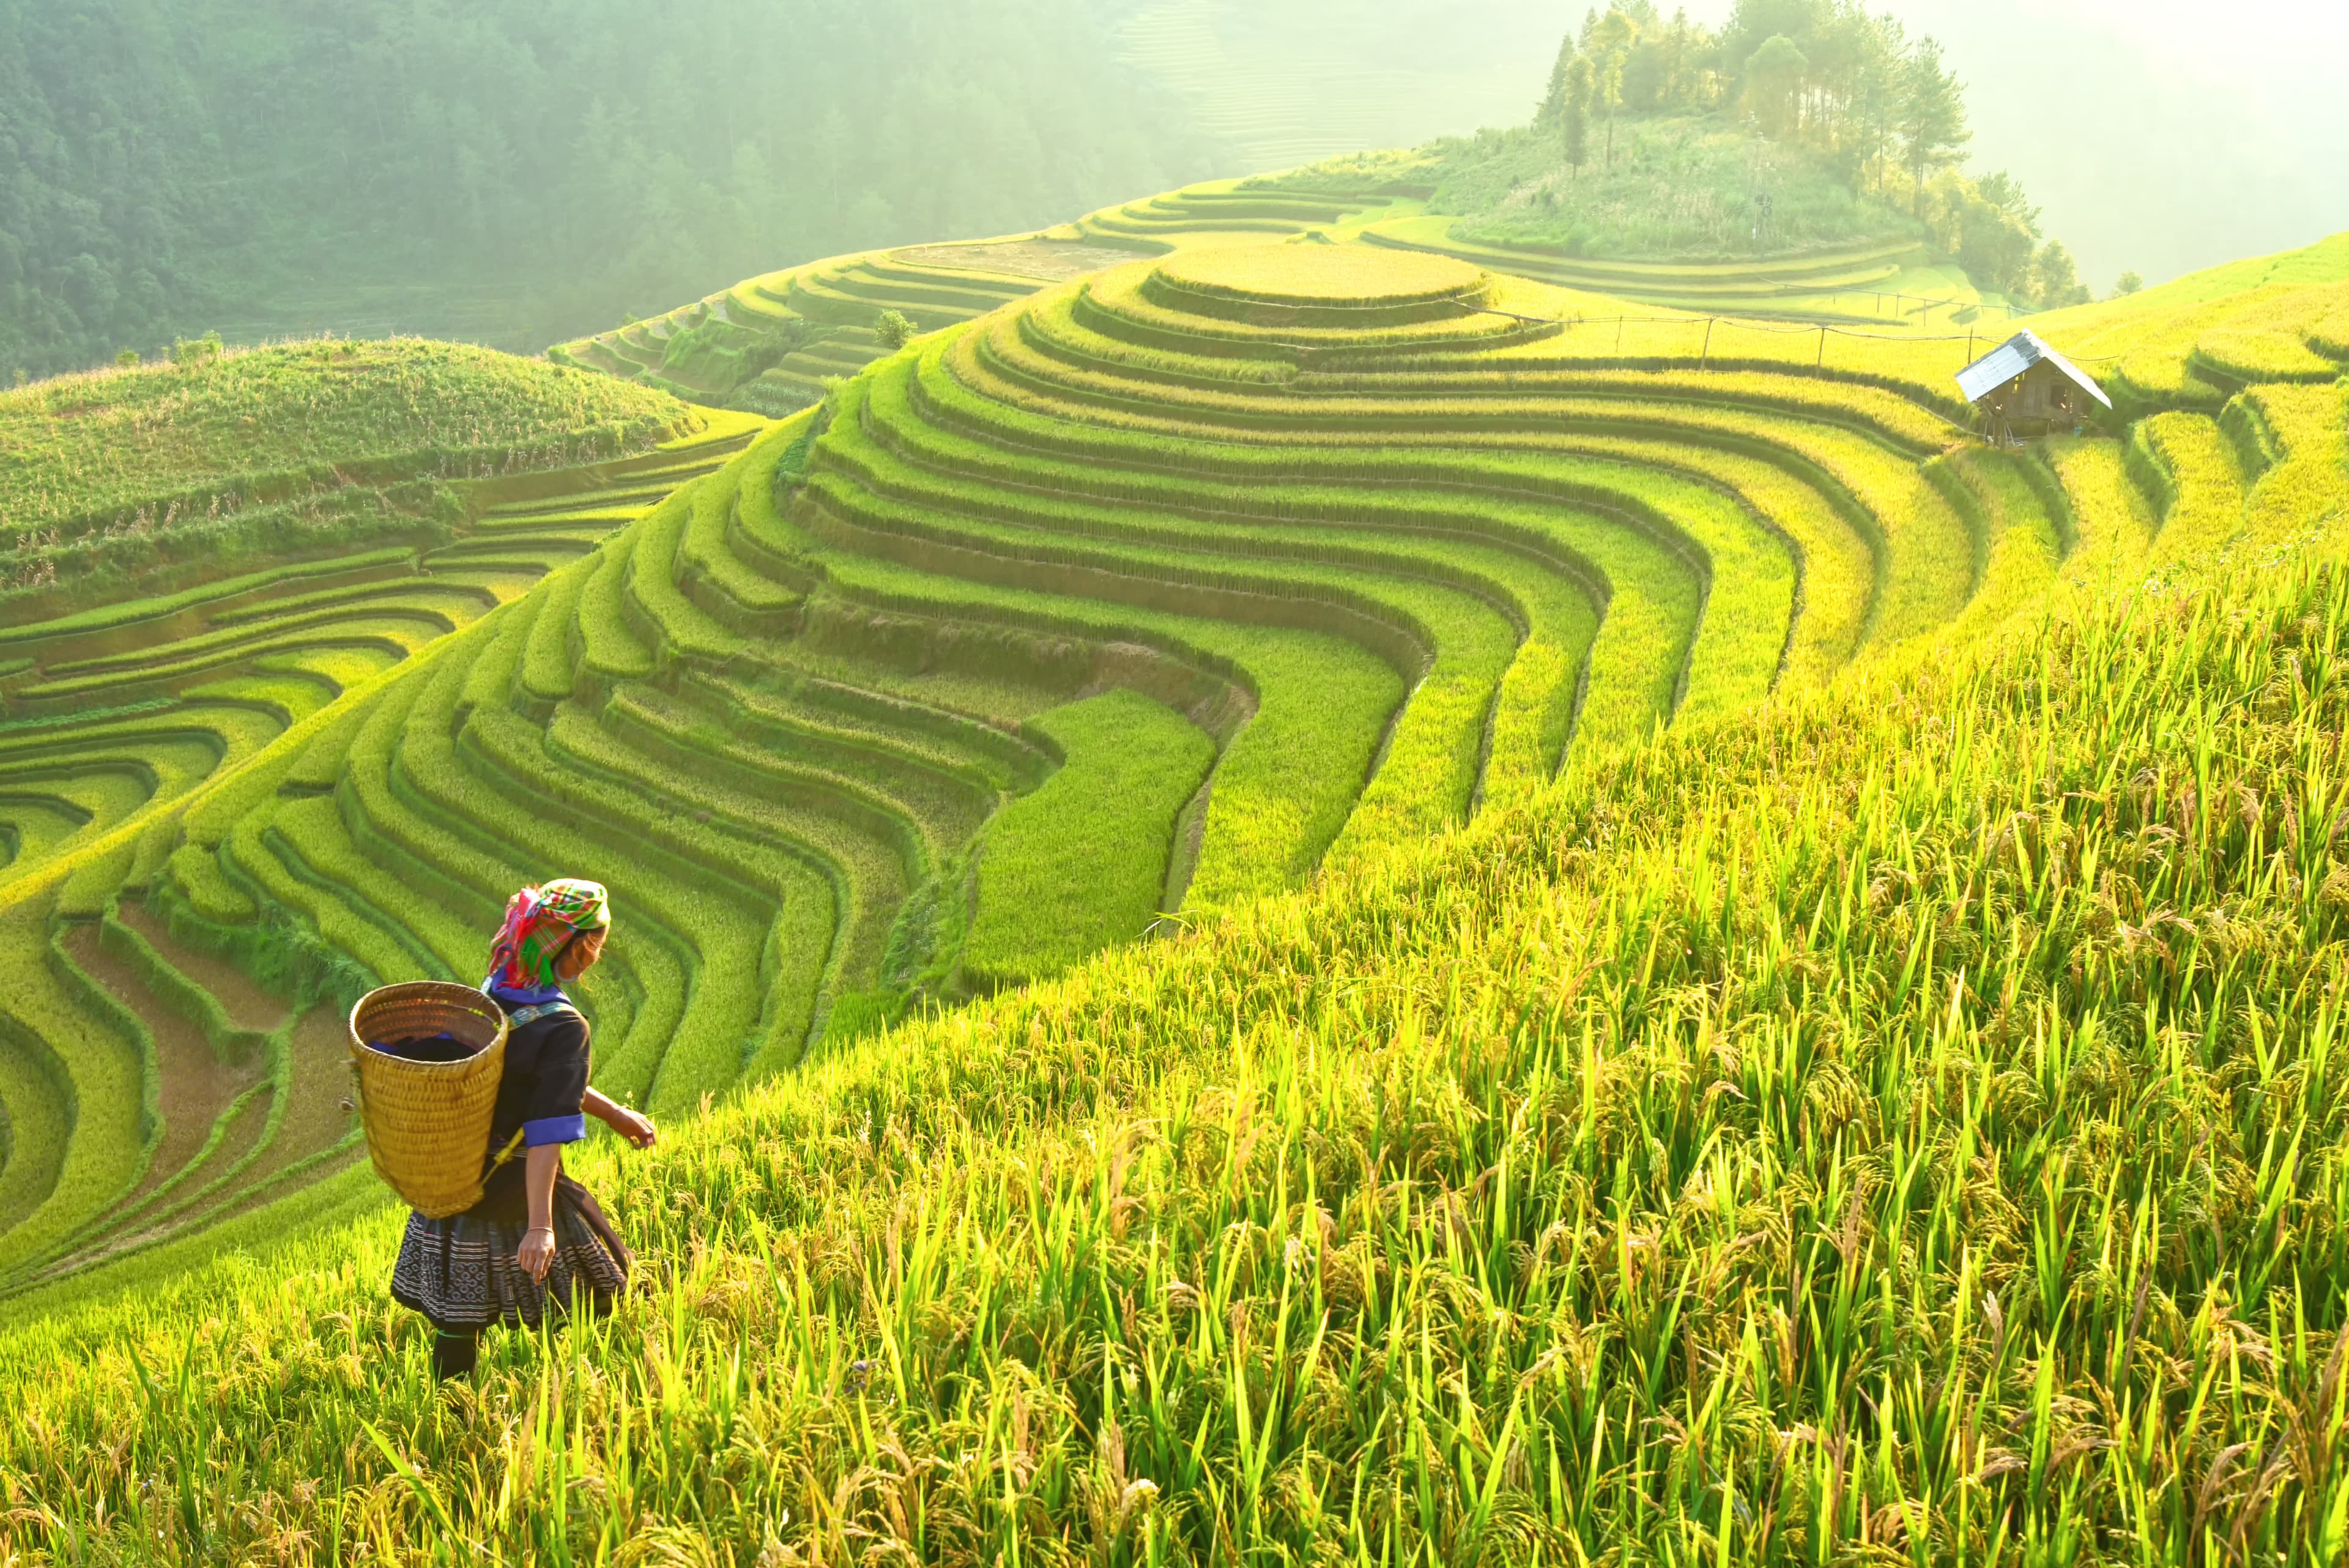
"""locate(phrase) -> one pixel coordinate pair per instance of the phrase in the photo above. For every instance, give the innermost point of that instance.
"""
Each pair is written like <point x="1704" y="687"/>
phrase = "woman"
<point x="536" y="1242"/>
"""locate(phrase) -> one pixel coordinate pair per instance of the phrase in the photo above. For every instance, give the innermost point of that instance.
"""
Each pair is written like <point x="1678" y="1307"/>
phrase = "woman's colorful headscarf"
<point x="539" y="921"/>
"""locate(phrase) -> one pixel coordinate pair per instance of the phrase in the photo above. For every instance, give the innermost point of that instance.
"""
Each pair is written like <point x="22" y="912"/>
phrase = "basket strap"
<point x="515" y="1019"/>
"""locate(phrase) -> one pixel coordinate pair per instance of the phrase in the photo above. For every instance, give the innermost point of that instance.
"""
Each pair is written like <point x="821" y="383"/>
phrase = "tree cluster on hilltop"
<point x="1878" y="111"/>
<point x="521" y="172"/>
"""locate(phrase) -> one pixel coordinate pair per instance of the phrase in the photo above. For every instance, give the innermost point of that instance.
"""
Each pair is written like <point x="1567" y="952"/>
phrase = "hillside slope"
<point x="123" y="481"/>
<point x="1703" y="903"/>
<point x="511" y="174"/>
<point x="206" y="557"/>
<point x="1390" y="535"/>
<point x="1825" y="1070"/>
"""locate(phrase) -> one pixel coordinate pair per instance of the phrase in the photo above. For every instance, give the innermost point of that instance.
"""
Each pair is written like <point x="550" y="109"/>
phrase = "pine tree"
<point x="1581" y="85"/>
<point x="1774" y="85"/>
<point x="1611" y="41"/>
<point x="1678" y="45"/>
<point x="1874" y="99"/>
<point x="1933" y="122"/>
<point x="2058" y="276"/>
<point x="1553" y="104"/>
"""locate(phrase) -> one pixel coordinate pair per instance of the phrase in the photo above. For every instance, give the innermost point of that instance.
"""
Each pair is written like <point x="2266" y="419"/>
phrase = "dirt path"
<point x="197" y="1085"/>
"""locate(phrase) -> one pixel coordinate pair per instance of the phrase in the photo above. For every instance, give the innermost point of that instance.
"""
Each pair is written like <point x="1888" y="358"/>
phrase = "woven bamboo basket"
<point x="428" y="1123"/>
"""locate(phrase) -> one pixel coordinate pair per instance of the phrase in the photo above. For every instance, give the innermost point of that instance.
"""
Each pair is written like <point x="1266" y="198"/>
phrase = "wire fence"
<point x="1822" y="330"/>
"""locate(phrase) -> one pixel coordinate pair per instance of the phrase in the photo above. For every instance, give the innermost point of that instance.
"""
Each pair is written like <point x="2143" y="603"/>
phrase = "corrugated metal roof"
<point x="2011" y="359"/>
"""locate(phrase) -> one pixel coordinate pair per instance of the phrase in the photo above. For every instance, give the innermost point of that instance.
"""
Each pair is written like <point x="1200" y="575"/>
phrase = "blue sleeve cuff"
<point x="554" y="1130"/>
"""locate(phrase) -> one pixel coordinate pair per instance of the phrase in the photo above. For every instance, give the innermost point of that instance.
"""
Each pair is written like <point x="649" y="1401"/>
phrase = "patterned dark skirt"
<point x="461" y="1271"/>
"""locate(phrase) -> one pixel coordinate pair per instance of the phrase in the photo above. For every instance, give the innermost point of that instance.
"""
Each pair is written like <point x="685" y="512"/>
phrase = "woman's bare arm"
<point x="537" y="1250"/>
<point x="634" y="1126"/>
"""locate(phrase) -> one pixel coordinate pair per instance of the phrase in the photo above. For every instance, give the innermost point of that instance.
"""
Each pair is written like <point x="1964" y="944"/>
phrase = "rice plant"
<point x="1749" y="981"/>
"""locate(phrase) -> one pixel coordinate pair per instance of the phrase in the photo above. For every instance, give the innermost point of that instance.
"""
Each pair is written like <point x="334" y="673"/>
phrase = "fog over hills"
<point x="2152" y="136"/>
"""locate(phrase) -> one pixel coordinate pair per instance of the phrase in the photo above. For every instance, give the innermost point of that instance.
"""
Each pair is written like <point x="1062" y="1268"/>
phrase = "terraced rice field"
<point x="2182" y="347"/>
<point x="771" y="344"/>
<point x="1209" y="589"/>
<point x="1218" y="212"/>
<point x="170" y="1046"/>
<point x="1895" y="285"/>
<point x="1265" y="559"/>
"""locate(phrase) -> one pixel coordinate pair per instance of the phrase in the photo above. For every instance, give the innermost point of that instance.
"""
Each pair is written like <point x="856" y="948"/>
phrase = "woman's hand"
<point x="634" y="1126"/>
<point x="537" y="1254"/>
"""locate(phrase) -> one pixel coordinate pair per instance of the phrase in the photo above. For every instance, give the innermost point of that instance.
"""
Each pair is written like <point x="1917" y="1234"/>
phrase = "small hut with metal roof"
<point x="2023" y="388"/>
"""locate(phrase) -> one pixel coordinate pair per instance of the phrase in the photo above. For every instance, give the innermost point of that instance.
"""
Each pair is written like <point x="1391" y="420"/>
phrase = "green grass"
<point x="127" y="612"/>
<point x="1680" y="188"/>
<point x="112" y="467"/>
<point x="1487" y="1006"/>
<point x="1355" y="1198"/>
<point x="1080" y="865"/>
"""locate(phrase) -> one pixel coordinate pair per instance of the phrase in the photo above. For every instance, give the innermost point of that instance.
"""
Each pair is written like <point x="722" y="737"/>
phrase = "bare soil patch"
<point x="197" y="1085"/>
<point x="314" y="1117"/>
<point x="250" y="1006"/>
<point x="314" y="1123"/>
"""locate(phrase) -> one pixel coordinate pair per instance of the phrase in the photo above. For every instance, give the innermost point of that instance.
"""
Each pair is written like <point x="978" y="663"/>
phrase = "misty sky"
<point x="2160" y="135"/>
<point x="2154" y="134"/>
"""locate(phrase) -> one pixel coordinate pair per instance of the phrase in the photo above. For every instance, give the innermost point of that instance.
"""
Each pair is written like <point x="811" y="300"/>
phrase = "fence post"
<point x="1821" y="361"/>
<point x="1618" y="334"/>
<point x="1706" y="352"/>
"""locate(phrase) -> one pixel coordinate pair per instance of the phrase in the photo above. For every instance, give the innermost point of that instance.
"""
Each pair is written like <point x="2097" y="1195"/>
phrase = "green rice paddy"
<point x="1286" y="899"/>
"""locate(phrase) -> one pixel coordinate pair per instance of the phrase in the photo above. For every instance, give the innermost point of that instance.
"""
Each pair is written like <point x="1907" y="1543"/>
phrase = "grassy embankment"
<point x="1932" y="1070"/>
<point x="148" y="1087"/>
<point x="1275" y="491"/>
<point x="124" y="481"/>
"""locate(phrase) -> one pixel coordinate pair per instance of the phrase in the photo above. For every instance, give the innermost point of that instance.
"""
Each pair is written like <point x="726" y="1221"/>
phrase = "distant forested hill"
<point x="518" y="170"/>
<point x="1797" y="124"/>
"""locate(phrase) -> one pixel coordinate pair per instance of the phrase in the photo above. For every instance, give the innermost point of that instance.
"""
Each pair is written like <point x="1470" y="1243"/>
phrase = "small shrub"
<point x="128" y="359"/>
<point x="895" y="328"/>
<point x="204" y="350"/>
